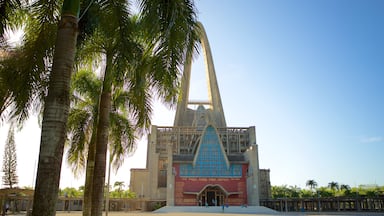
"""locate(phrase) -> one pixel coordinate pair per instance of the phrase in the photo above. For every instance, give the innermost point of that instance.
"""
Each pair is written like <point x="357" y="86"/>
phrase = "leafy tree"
<point x="279" y="191"/>
<point x="70" y="192"/>
<point x="325" y="192"/>
<point x="294" y="191"/>
<point x="306" y="193"/>
<point x="10" y="177"/>
<point x="129" y="194"/>
<point x="81" y="189"/>
<point x="122" y="194"/>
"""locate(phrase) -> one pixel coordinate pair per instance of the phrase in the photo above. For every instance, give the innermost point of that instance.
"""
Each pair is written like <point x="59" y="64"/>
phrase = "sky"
<point x="308" y="74"/>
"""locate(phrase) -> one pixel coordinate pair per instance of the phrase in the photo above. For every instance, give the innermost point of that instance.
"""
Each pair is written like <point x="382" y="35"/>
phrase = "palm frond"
<point x="27" y="71"/>
<point x="80" y="131"/>
<point x="173" y="30"/>
<point x="122" y="139"/>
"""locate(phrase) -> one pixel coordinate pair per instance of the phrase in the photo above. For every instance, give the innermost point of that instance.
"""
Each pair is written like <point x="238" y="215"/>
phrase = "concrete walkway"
<point x="218" y="209"/>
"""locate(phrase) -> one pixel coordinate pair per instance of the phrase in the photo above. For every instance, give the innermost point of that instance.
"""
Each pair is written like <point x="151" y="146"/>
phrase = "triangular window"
<point x="210" y="159"/>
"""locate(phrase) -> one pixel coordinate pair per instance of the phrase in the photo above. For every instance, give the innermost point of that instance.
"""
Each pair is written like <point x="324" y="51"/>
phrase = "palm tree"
<point x="171" y="33"/>
<point x="333" y="186"/>
<point x="81" y="125"/>
<point x="26" y="73"/>
<point x="56" y="113"/>
<point x="9" y="9"/>
<point x="119" y="187"/>
<point x="82" y="117"/>
<point x="346" y="189"/>
<point x="312" y="184"/>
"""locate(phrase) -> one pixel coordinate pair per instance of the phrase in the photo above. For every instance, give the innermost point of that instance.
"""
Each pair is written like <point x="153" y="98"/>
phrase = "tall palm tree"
<point x="170" y="33"/>
<point x="119" y="185"/>
<point x="82" y="117"/>
<point x="333" y="186"/>
<point x="312" y="184"/>
<point x="346" y="189"/>
<point x="56" y="112"/>
<point x="82" y="123"/>
<point x="39" y="71"/>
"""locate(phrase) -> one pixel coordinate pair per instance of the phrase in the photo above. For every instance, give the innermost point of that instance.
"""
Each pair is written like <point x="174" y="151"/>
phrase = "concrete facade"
<point x="199" y="160"/>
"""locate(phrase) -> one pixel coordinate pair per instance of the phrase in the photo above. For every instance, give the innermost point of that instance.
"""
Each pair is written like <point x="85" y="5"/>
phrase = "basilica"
<point x="200" y="160"/>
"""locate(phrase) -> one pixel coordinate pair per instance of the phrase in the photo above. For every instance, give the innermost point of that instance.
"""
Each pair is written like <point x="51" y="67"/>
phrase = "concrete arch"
<point x="185" y="116"/>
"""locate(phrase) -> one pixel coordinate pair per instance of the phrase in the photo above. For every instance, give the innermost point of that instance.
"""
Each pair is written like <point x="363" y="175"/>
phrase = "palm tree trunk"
<point x="102" y="141"/>
<point x="87" y="204"/>
<point x="53" y="133"/>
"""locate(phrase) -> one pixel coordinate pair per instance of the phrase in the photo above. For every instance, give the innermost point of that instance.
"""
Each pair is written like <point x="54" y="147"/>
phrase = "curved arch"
<point x="183" y="114"/>
<point x="214" y="185"/>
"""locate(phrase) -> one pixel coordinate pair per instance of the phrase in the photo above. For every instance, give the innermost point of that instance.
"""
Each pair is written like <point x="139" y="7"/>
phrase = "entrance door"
<point x="212" y="196"/>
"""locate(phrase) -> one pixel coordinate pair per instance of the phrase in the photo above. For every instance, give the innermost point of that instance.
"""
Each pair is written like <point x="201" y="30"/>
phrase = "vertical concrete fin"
<point x="182" y="104"/>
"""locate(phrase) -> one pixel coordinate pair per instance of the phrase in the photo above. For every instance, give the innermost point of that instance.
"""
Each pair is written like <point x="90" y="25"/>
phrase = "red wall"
<point x="196" y="184"/>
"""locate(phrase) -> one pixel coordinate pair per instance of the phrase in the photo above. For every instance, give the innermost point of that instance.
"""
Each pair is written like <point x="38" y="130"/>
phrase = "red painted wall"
<point x="196" y="184"/>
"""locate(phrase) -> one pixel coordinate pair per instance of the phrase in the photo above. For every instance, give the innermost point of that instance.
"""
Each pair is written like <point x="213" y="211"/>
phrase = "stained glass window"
<point x="210" y="161"/>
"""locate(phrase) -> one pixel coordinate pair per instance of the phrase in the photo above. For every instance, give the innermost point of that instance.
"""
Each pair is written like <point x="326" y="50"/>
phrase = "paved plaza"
<point x="218" y="211"/>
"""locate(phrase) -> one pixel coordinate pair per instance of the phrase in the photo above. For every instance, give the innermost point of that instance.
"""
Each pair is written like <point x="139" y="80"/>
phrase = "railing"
<point x="328" y="204"/>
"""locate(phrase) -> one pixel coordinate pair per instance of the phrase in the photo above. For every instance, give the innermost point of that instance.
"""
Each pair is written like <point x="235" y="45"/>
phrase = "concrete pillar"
<point x="170" y="177"/>
<point x="253" y="186"/>
<point x="152" y="165"/>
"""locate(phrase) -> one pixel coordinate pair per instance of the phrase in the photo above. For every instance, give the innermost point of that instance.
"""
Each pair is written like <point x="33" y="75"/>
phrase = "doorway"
<point x="212" y="196"/>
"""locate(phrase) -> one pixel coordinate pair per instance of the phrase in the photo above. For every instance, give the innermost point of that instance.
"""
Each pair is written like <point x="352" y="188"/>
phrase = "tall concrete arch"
<point x="214" y="112"/>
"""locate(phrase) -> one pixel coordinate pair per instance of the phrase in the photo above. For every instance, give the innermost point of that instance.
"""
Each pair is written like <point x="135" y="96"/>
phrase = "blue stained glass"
<point x="210" y="161"/>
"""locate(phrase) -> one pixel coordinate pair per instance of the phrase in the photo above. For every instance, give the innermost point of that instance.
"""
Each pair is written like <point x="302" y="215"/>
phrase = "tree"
<point x="86" y="89"/>
<point x="334" y="186"/>
<point x="10" y="177"/>
<point x="304" y="193"/>
<point x="171" y="26"/>
<point x="119" y="185"/>
<point x="312" y="184"/>
<point x="55" y="114"/>
<point x="8" y="10"/>
<point x="70" y="192"/>
<point x="46" y="56"/>
<point x="346" y="189"/>
<point x="325" y="192"/>
<point x="171" y="35"/>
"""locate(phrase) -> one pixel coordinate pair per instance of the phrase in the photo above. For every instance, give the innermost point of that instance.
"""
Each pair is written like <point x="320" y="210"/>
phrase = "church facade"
<point x="200" y="160"/>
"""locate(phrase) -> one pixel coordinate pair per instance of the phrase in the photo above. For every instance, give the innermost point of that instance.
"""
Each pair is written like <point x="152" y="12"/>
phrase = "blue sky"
<point x="308" y="74"/>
